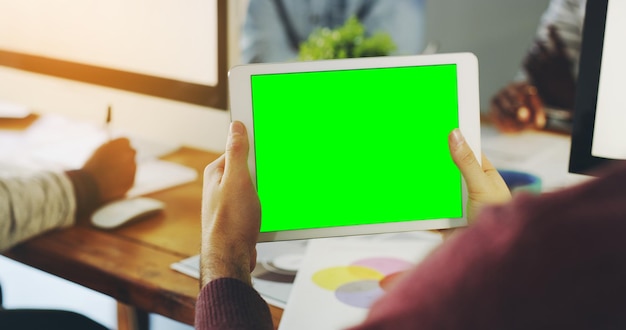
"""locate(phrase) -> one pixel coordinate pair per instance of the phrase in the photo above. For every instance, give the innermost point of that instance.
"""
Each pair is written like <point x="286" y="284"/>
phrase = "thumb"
<point x="236" y="148"/>
<point x="466" y="161"/>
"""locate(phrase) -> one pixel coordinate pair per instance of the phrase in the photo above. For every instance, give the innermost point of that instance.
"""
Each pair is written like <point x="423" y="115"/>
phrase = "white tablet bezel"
<point x="468" y="116"/>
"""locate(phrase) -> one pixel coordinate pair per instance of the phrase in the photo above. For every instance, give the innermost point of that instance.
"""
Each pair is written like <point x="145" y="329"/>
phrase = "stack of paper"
<point x="56" y="142"/>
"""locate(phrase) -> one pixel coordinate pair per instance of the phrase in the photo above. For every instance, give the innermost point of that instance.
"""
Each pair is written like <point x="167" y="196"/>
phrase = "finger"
<point x="502" y="118"/>
<point x="508" y="103"/>
<point x="523" y="112"/>
<point x="499" y="192"/>
<point x="520" y="110"/>
<point x="535" y="105"/>
<point x="514" y="113"/>
<point x="464" y="158"/>
<point x="489" y="169"/>
<point x="541" y="120"/>
<point x="237" y="148"/>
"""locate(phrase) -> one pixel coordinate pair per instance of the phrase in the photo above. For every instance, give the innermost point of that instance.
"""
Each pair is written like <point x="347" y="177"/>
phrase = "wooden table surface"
<point x="132" y="263"/>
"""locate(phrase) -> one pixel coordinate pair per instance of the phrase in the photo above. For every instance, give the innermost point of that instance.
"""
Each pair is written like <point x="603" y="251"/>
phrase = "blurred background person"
<point x="543" y="94"/>
<point x="33" y="202"/>
<point x="274" y="29"/>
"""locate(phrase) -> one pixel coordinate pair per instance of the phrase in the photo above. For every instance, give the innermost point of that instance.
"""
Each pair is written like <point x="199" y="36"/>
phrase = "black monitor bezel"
<point x="581" y="161"/>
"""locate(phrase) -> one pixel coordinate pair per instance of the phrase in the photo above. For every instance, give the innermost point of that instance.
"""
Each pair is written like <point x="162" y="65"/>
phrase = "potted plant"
<point x="347" y="41"/>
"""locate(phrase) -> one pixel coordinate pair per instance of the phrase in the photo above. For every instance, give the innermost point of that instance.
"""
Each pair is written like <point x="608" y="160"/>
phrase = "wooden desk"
<point x="131" y="263"/>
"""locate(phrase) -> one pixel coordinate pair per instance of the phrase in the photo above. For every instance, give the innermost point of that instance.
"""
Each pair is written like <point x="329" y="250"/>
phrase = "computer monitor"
<point x="599" y="123"/>
<point x="168" y="49"/>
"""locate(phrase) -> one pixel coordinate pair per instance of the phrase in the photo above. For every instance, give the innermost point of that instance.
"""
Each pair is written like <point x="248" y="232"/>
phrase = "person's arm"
<point x="39" y="201"/>
<point x="403" y="20"/>
<point x="33" y="204"/>
<point x="231" y="220"/>
<point x="543" y="93"/>
<point x="553" y="261"/>
<point x="567" y="17"/>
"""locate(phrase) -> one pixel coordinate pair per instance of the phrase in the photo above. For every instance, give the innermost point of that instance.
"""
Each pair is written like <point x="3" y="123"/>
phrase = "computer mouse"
<point x="117" y="213"/>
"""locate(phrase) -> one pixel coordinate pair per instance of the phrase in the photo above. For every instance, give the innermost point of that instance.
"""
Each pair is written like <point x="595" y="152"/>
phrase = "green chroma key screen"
<point x="349" y="147"/>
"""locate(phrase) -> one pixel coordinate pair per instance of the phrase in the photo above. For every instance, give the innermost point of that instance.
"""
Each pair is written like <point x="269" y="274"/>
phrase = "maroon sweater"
<point x="557" y="261"/>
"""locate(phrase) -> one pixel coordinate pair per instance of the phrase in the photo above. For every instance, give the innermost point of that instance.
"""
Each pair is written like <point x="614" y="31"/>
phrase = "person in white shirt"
<point x="273" y="29"/>
<point x="33" y="202"/>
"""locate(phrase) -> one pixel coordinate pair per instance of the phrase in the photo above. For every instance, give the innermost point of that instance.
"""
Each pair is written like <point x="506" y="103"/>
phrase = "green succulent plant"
<point x="346" y="41"/>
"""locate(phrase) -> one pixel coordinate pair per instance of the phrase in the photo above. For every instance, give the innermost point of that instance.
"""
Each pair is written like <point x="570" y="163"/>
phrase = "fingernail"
<point x="523" y="114"/>
<point x="540" y="121"/>
<point x="457" y="137"/>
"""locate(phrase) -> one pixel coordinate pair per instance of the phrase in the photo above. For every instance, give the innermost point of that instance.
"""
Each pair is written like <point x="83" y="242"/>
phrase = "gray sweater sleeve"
<point x="33" y="203"/>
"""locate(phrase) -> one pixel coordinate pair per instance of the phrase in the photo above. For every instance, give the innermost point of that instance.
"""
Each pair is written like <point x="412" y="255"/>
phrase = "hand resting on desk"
<point x="35" y="202"/>
<point x="550" y="85"/>
<point x="113" y="168"/>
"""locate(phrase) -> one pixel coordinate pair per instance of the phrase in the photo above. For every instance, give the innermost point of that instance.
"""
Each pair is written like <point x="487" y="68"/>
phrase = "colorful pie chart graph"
<point x="363" y="281"/>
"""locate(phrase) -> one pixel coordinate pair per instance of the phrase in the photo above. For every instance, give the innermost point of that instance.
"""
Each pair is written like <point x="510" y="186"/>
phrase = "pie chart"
<point x="362" y="282"/>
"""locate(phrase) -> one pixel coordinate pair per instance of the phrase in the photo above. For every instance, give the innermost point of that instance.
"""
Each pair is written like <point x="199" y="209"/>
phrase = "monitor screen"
<point x="163" y="48"/>
<point x="598" y="134"/>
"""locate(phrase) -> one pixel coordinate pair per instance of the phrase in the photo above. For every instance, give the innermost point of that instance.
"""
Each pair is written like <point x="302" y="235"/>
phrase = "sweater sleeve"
<point x="228" y="303"/>
<point x="556" y="261"/>
<point x="33" y="203"/>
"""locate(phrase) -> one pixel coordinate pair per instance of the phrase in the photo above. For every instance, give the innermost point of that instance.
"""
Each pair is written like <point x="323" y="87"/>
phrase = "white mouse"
<point x="119" y="212"/>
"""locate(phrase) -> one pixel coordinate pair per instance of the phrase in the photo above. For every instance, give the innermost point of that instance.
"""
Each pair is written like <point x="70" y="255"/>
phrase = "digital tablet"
<point x="357" y="146"/>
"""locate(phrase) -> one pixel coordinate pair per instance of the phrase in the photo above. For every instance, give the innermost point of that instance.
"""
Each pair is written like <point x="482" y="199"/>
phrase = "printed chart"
<point x="340" y="278"/>
<point x="363" y="281"/>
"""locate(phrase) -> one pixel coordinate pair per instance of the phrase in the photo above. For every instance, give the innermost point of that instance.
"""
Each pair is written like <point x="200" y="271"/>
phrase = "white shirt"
<point x="267" y="38"/>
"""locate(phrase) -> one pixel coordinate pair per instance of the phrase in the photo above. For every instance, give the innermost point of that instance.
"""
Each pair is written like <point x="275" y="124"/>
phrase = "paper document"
<point x="544" y="154"/>
<point x="275" y="271"/>
<point x="340" y="278"/>
<point x="155" y="175"/>
<point x="58" y="143"/>
<point x="279" y="262"/>
<point x="13" y="110"/>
